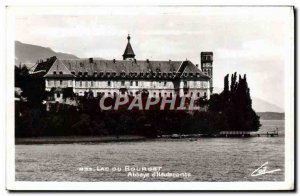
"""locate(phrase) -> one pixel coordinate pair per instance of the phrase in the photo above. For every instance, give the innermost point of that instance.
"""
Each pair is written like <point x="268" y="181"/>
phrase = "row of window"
<point x="109" y="83"/>
<point x="198" y="94"/>
<point x="123" y="74"/>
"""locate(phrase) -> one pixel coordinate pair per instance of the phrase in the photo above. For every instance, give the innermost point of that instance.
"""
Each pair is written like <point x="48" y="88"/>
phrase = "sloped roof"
<point x="58" y="68"/>
<point x="128" y="51"/>
<point x="125" y="69"/>
<point x="121" y="66"/>
<point x="44" y="66"/>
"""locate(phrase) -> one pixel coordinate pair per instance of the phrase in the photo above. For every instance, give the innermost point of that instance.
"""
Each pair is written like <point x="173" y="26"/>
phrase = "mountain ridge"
<point x="29" y="54"/>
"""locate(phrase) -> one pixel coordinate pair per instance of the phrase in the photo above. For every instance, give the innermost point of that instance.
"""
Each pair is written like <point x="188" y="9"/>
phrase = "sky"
<point x="252" y="41"/>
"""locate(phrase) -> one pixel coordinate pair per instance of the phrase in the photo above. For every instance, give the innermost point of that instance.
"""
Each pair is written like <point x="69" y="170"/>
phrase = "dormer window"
<point x="73" y="72"/>
<point x="122" y="73"/>
<point x="60" y="72"/>
<point x="191" y="74"/>
<point x="101" y="73"/>
<point x="108" y="74"/>
<point x="141" y="74"/>
<point x="170" y="74"/>
<point x="114" y="74"/>
<point x="86" y="74"/>
<point x="185" y="74"/>
<point x="198" y="75"/>
<point x="54" y="72"/>
<point x="165" y="75"/>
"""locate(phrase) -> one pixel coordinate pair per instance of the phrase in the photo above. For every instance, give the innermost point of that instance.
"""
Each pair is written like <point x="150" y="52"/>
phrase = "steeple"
<point x="128" y="53"/>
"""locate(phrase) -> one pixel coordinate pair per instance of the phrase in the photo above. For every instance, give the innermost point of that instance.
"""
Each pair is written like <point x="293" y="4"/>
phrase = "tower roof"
<point x="128" y="53"/>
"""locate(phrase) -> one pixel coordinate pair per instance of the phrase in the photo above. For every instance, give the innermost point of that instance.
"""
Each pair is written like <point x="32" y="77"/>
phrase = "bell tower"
<point x="207" y="66"/>
<point x="128" y="53"/>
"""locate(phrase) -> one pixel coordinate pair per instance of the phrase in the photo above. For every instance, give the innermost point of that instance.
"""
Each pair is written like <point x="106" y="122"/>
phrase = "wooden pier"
<point x="248" y="134"/>
<point x="268" y="134"/>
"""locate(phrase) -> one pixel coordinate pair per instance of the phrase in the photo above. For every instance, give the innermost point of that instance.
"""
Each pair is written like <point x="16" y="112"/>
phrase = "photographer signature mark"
<point x="263" y="170"/>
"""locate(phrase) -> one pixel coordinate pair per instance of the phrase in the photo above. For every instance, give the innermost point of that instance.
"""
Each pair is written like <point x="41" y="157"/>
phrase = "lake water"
<point x="207" y="159"/>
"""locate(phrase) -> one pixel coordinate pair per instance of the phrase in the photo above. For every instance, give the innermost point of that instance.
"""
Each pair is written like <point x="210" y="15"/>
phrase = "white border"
<point x="10" y="151"/>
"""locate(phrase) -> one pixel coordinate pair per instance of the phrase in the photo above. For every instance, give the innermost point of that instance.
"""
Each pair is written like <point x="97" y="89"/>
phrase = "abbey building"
<point x="128" y="76"/>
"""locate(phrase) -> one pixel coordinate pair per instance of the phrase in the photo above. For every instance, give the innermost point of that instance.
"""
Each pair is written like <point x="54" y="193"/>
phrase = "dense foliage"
<point x="230" y="110"/>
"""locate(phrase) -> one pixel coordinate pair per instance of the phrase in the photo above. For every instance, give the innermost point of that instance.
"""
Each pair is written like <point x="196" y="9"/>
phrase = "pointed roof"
<point x="128" y="53"/>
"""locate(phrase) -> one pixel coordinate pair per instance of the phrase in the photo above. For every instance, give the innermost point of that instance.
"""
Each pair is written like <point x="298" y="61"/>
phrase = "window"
<point x="122" y="83"/>
<point x="131" y="83"/>
<point x="108" y="83"/>
<point x="80" y="83"/>
<point x="54" y="72"/>
<point x="60" y="82"/>
<point x="92" y="83"/>
<point x="185" y="84"/>
<point x="136" y="83"/>
<point x="58" y="95"/>
<point x="198" y="94"/>
<point x="165" y="83"/>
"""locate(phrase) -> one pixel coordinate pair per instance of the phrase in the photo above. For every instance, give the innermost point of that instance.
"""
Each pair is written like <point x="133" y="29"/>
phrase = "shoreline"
<point x="107" y="139"/>
<point x="77" y="139"/>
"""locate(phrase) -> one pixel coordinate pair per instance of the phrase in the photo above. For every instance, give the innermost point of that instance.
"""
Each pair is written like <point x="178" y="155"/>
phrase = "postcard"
<point x="150" y="98"/>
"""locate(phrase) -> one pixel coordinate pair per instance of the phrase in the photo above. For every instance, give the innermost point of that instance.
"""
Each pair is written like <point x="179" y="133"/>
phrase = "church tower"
<point x="207" y="67"/>
<point x="128" y="53"/>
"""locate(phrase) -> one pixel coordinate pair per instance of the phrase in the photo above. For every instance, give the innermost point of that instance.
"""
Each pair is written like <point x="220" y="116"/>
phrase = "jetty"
<point x="269" y="134"/>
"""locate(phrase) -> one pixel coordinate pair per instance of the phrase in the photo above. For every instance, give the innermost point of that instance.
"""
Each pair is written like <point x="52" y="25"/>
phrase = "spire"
<point x="128" y="53"/>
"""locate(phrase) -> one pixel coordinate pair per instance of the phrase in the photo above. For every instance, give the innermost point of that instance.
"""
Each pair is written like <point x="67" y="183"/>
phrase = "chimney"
<point x="170" y="61"/>
<point x="147" y="60"/>
<point x="114" y="60"/>
<point x="91" y="60"/>
<point x="134" y="60"/>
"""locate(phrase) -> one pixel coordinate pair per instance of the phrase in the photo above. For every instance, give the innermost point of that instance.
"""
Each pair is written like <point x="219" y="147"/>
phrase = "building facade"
<point x="128" y="76"/>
